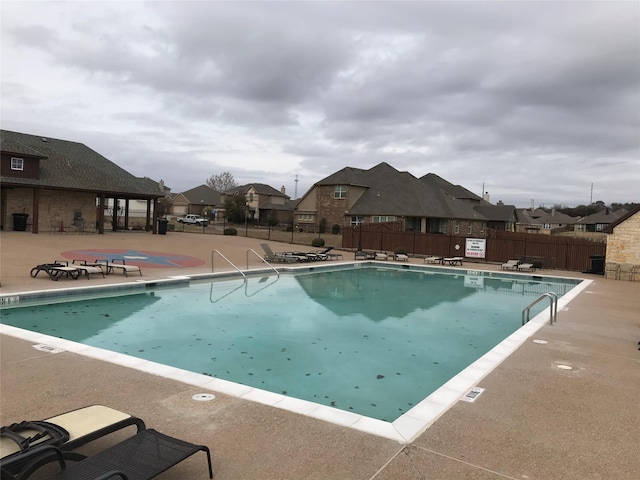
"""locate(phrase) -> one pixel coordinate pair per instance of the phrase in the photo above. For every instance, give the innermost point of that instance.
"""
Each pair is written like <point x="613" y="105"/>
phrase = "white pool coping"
<point x="404" y="429"/>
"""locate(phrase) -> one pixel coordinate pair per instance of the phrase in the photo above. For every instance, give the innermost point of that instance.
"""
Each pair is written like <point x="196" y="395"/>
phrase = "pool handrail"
<point x="262" y="259"/>
<point x="553" y="307"/>
<point x="228" y="261"/>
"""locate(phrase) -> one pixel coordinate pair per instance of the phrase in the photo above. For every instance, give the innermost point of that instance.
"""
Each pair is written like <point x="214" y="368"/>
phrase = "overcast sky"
<point x="535" y="100"/>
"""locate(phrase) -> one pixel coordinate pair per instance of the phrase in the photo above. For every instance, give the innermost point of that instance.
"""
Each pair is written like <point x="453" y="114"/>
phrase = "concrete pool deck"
<point x="534" y="420"/>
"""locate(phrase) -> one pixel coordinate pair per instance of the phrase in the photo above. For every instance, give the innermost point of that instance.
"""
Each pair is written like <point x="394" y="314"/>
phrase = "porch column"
<point x="36" y="210"/>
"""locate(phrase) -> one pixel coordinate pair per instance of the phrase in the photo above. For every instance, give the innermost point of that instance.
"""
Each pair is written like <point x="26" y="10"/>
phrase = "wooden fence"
<point x="562" y="253"/>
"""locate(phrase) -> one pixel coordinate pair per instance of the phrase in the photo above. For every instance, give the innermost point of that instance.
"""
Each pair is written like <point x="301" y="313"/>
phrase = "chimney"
<point x="283" y="190"/>
<point x="553" y="212"/>
<point x="485" y="197"/>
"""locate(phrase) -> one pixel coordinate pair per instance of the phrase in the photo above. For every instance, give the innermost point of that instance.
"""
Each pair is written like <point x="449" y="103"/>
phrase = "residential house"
<point x="598" y="221"/>
<point x="58" y="184"/>
<point x="264" y="202"/>
<point x="542" y="221"/>
<point x="623" y="243"/>
<point x="380" y="194"/>
<point x="202" y="200"/>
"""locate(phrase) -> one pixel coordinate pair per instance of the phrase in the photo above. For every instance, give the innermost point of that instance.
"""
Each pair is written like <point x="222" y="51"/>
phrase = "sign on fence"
<point x="475" y="248"/>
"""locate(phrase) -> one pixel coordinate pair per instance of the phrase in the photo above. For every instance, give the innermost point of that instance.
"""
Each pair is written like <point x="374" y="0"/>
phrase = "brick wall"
<point x="56" y="206"/>
<point x="332" y="209"/>
<point x="623" y="245"/>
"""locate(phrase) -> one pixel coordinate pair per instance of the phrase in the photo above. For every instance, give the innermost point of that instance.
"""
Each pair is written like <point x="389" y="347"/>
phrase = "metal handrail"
<point x="553" y="307"/>
<point x="261" y="258"/>
<point x="228" y="261"/>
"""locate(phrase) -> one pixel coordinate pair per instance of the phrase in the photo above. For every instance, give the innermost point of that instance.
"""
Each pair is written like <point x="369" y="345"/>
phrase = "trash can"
<point x="597" y="264"/>
<point x="162" y="227"/>
<point x="20" y="221"/>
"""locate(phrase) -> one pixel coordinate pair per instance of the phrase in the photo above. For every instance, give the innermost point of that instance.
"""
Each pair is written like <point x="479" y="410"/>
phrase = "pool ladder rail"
<point x="553" y="307"/>
<point x="251" y="250"/>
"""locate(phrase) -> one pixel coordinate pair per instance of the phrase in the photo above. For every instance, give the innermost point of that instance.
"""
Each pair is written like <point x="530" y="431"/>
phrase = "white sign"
<point x="476" y="247"/>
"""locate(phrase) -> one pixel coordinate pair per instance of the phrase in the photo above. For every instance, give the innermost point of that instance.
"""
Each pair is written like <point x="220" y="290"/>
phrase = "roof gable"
<point x="202" y="194"/>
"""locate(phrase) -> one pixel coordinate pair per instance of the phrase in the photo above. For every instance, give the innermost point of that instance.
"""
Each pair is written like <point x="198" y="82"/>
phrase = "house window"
<point x="305" y="217"/>
<point x="580" y="227"/>
<point x="600" y="226"/>
<point x="547" y="226"/>
<point x="251" y="197"/>
<point x="357" y="220"/>
<point x="388" y="218"/>
<point x="340" y="191"/>
<point x="17" y="163"/>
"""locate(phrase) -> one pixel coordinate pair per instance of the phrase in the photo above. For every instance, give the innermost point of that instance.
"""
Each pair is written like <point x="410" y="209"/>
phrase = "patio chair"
<point x="530" y="267"/>
<point x="114" y="265"/>
<point x="56" y="270"/>
<point x="510" y="265"/>
<point x="87" y="269"/>
<point x="401" y="257"/>
<point x="270" y="256"/>
<point x="625" y="272"/>
<point x="452" y="260"/>
<point x="140" y="457"/>
<point x="432" y="259"/>
<point x="66" y="431"/>
<point x="381" y="256"/>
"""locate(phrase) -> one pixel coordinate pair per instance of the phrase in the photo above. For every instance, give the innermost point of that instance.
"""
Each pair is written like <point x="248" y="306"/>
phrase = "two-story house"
<point x="202" y="200"/>
<point x="381" y="194"/>
<point x="264" y="202"/>
<point x="58" y="184"/>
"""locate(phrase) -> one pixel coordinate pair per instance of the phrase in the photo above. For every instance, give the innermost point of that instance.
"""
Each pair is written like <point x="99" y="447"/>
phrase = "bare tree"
<point x="222" y="182"/>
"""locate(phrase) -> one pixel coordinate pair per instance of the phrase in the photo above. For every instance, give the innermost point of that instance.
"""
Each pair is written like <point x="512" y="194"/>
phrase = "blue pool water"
<point x="374" y="341"/>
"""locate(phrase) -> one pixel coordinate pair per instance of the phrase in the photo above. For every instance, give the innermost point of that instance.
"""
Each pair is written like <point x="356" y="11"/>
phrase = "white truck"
<point x="194" y="220"/>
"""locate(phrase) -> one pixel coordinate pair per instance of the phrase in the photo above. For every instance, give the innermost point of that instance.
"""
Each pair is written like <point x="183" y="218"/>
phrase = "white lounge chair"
<point x="401" y="257"/>
<point x="526" y="266"/>
<point x="433" y="259"/>
<point x="510" y="265"/>
<point x="381" y="256"/>
<point x="113" y="264"/>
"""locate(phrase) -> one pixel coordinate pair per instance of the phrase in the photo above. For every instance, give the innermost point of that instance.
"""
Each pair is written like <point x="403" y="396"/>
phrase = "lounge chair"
<point x="452" y="260"/>
<point x="67" y="431"/>
<point x="140" y="457"/>
<point x="114" y="265"/>
<point x="401" y="257"/>
<point x="281" y="257"/>
<point x="56" y="270"/>
<point x="381" y="256"/>
<point x="510" y="265"/>
<point x="530" y="267"/>
<point x="87" y="269"/>
<point x="433" y="259"/>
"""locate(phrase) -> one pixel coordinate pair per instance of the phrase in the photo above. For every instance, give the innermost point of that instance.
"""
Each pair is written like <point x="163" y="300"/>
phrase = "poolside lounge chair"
<point x="87" y="269"/>
<point x="56" y="270"/>
<point x="401" y="257"/>
<point x="510" y="265"/>
<point x="114" y="265"/>
<point x="526" y="266"/>
<point x="270" y="256"/>
<point x="66" y="431"/>
<point x="381" y="256"/>
<point x="432" y="259"/>
<point x="140" y="457"/>
<point x="452" y="260"/>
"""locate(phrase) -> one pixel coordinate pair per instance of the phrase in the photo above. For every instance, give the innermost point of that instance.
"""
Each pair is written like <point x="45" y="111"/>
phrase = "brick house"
<point x="264" y="202"/>
<point x="63" y="185"/>
<point x="623" y="242"/>
<point x="381" y="194"/>
<point x="200" y="200"/>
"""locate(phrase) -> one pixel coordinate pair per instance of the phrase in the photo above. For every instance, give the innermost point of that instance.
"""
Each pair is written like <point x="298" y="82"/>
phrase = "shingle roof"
<point x="602" y="217"/>
<point x="203" y="194"/>
<point x="391" y="192"/>
<point x="498" y="213"/>
<point x="260" y="188"/>
<point x="621" y="219"/>
<point x="73" y="166"/>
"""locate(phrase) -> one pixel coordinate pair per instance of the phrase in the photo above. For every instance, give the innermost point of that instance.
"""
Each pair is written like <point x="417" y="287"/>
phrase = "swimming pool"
<point x="374" y="341"/>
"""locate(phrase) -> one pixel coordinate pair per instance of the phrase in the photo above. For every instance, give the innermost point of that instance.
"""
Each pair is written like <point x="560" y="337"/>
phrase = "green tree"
<point x="235" y="208"/>
<point x="222" y="182"/>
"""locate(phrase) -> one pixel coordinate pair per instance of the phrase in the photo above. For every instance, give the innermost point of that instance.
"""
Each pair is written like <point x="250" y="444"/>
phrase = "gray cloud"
<point x="542" y="95"/>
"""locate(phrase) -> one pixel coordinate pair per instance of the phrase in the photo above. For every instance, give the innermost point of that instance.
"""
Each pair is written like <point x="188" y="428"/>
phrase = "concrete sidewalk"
<point x="534" y="420"/>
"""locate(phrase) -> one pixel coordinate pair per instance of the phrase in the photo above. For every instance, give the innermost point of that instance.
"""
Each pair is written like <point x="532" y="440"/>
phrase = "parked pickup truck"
<point x="194" y="220"/>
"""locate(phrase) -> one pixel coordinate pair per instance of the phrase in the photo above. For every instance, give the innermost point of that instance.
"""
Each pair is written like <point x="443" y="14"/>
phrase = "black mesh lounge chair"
<point x="141" y="457"/>
<point x="67" y="431"/>
<point x="56" y="270"/>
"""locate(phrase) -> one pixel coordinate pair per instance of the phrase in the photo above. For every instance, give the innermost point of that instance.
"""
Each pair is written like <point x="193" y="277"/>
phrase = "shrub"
<point x="317" y="242"/>
<point x="400" y="250"/>
<point x="230" y="231"/>
<point x="335" y="229"/>
<point x="322" y="227"/>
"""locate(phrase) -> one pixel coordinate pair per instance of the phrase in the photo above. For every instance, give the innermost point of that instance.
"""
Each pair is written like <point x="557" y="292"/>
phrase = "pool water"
<point x="374" y="341"/>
